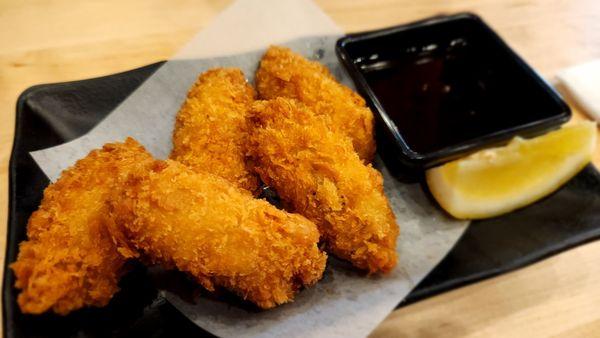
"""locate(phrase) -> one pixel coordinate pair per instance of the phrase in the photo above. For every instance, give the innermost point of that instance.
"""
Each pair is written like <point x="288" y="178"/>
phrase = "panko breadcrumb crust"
<point x="211" y="129"/>
<point x="283" y="73"/>
<point x="203" y="225"/>
<point x="70" y="259"/>
<point x="317" y="174"/>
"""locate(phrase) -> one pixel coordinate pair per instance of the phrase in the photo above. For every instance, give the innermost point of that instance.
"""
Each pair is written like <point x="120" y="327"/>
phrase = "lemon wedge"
<point x="498" y="180"/>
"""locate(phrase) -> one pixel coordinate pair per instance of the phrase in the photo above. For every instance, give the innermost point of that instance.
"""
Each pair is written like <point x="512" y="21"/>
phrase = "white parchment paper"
<point x="345" y="303"/>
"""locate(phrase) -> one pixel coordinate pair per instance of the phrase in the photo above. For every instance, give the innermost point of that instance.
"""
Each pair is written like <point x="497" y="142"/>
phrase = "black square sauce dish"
<point x="447" y="86"/>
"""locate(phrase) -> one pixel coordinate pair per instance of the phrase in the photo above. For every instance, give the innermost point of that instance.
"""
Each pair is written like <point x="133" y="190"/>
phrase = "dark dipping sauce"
<point x="449" y="84"/>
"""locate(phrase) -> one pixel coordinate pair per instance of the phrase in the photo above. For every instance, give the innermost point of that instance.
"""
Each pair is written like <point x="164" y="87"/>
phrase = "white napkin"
<point x="582" y="84"/>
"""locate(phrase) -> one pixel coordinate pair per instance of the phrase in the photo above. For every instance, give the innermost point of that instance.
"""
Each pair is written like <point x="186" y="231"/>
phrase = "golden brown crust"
<point x="211" y="130"/>
<point x="317" y="173"/>
<point x="283" y="73"/>
<point x="205" y="226"/>
<point x="70" y="259"/>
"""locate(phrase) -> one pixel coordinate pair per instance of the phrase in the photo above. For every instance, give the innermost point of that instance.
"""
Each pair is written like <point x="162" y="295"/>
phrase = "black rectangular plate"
<point x="48" y="115"/>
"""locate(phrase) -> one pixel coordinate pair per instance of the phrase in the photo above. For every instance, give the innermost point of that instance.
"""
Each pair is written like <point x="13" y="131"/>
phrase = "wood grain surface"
<point x="60" y="40"/>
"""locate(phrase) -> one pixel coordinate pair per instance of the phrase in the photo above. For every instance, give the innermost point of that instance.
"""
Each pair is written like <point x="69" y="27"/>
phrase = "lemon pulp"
<point x="498" y="180"/>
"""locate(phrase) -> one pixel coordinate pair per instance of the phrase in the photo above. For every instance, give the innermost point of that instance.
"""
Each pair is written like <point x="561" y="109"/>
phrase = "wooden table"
<point x="52" y="41"/>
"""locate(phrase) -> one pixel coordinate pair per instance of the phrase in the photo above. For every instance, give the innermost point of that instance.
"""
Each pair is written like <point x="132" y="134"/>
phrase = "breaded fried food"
<point x="211" y="130"/>
<point x="203" y="225"/>
<point x="317" y="174"/>
<point x="70" y="259"/>
<point x="283" y="73"/>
